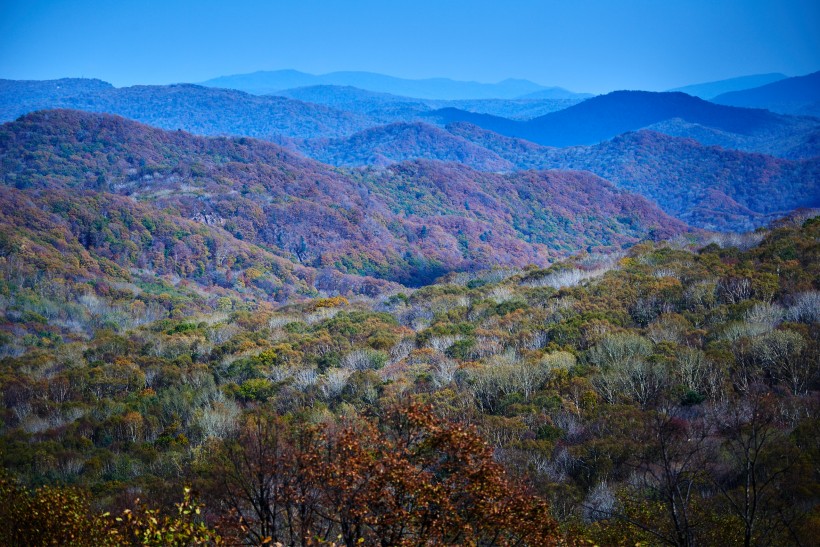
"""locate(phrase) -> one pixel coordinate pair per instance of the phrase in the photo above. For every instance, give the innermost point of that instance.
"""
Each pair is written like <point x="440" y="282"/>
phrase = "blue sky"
<point x="584" y="45"/>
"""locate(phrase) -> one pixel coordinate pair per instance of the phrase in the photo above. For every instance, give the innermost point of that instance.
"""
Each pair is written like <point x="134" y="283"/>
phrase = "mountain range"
<point x="349" y="127"/>
<point x="193" y="108"/>
<point x="706" y="186"/>
<point x="323" y="111"/>
<point x="408" y="223"/>
<point x="337" y="112"/>
<point x="606" y="116"/>
<point x="387" y="108"/>
<point x="266" y="82"/>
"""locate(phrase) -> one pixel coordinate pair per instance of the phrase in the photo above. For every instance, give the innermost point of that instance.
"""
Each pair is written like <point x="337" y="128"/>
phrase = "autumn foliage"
<point x="407" y="479"/>
<point x="53" y="515"/>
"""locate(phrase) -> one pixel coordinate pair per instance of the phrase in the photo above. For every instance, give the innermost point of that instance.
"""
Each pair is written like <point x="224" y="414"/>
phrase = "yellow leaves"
<point x="251" y="274"/>
<point x="331" y="302"/>
<point x="63" y="516"/>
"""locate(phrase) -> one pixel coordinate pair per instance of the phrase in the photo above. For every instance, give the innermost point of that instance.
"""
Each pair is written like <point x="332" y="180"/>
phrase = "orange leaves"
<point x="409" y="478"/>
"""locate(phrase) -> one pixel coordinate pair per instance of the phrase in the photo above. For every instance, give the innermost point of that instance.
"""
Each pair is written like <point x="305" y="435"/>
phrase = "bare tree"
<point x="755" y="457"/>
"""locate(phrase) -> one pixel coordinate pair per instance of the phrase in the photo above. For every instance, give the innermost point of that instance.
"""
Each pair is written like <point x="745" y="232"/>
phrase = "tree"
<point x="54" y="515"/>
<point x="670" y="471"/>
<point x="409" y="478"/>
<point x="756" y="458"/>
<point x="266" y="478"/>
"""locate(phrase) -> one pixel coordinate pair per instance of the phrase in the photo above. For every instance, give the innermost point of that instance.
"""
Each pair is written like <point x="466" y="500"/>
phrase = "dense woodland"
<point x="410" y="223"/>
<point x="433" y="340"/>
<point x="667" y="396"/>
<point x="707" y="187"/>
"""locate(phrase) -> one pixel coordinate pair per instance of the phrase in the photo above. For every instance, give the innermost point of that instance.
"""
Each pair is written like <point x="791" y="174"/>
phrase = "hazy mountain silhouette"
<point x="606" y="116"/>
<point x="799" y="95"/>
<point x="386" y="107"/>
<point x="264" y="82"/>
<point x="710" y="90"/>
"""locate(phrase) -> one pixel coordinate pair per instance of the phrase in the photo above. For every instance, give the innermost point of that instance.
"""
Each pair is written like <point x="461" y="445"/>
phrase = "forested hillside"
<point x="398" y="142"/>
<point x="200" y="110"/>
<point x="647" y="397"/>
<point x="707" y="187"/>
<point x="409" y="224"/>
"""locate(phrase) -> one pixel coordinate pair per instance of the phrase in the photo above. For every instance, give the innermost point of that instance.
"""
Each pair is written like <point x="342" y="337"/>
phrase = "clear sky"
<point x="583" y="45"/>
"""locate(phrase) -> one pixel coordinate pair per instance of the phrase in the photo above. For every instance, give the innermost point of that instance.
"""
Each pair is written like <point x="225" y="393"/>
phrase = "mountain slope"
<point x="397" y="142"/>
<point x="799" y="95"/>
<point x="18" y="97"/>
<point x="605" y="116"/>
<point x="710" y="90"/>
<point x="561" y="211"/>
<point x="99" y="237"/>
<point x="408" y="224"/>
<point x="197" y="109"/>
<point x="707" y="187"/>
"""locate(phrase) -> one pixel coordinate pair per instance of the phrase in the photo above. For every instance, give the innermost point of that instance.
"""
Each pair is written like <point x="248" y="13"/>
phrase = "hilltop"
<point x="409" y="223"/>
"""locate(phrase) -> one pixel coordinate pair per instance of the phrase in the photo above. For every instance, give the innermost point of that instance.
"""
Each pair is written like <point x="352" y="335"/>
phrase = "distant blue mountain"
<point x="386" y="107"/>
<point x="799" y="95"/>
<point x="555" y="93"/>
<point x="18" y="97"/>
<point x="606" y="116"/>
<point x="710" y="90"/>
<point x="267" y="82"/>
<point x="198" y="109"/>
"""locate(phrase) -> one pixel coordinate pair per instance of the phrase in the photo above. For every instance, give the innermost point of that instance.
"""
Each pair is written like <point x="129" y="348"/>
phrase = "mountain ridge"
<point x="606" y="116"/>
<point x="744" y="190"/>
<point x="710" y="90"/>
<point x="408" y="223"/>
<point x="798" y="96"/>
<point x="263" y="82"/>
<point x="198" y="109"/>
